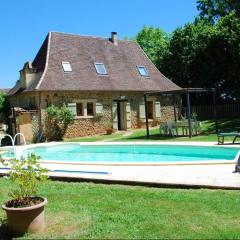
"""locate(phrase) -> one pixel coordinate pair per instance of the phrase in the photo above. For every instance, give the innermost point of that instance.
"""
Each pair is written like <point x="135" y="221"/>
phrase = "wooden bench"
<point x="231" y="134"/>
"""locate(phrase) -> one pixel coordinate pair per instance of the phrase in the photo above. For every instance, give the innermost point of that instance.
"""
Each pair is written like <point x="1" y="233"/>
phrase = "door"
<point x="121" y="111"/>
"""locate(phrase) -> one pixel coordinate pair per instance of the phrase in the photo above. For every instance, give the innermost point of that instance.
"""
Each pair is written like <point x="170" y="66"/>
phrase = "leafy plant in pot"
<point x="25" y="211"/>
<point x="109" y="128"/>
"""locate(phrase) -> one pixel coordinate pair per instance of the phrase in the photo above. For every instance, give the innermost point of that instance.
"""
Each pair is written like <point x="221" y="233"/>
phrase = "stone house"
<point x="102" y="81"/>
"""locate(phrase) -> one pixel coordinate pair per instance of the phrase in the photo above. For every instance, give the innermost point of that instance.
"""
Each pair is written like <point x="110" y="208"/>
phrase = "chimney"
<point x="27" y="75"/>
<point x="114" y="38"/>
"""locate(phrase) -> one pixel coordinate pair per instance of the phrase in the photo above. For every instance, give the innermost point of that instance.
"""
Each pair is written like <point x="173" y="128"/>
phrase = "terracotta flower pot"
<point x="109" y="131"/>
<point x="26" y="219"/>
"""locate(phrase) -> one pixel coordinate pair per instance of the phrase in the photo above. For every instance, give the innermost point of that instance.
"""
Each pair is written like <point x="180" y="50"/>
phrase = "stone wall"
<point x="28" y="125"/>
<point x="97" y="124"/>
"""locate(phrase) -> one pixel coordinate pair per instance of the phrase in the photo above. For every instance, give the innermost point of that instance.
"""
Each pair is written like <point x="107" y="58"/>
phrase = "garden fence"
<point x="227" y="111"/>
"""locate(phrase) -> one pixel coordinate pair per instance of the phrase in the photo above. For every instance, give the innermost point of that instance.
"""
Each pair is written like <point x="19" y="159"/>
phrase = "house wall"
<point x="27" y="124"/>
<point x="97" y="124"/>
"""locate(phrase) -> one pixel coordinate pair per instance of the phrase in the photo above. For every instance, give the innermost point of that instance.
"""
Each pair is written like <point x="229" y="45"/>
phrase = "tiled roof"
<point x="82" y="52"/>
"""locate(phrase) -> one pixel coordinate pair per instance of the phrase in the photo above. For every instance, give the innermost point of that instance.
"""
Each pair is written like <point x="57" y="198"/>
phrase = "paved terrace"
<point x="196" y="175"/>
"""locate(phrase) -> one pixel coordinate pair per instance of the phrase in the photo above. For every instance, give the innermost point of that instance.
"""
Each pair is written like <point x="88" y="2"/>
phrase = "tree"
<point x="213" y="10"/>
<point x="202" y="55"/>
<point x="229" y="30"/>
<point x="4" y="107"/>
<point x="185" y="47"/>
<point x="2" y="99"/>
<point x="154" y="42"/>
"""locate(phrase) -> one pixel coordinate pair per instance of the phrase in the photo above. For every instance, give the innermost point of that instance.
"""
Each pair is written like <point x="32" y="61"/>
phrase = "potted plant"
<point x="108" y="127"/>
<point x="25" y="211"/>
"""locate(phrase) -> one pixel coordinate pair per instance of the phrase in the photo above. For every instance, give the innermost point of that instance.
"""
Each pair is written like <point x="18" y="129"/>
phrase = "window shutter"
<point x="73" y="108"/>
<point x="114" y="116"/>
<point x="142" y="110"/>
<point x="99" y="108"/>
<point x="128" y="114"/>
<point x="158" y="109"/>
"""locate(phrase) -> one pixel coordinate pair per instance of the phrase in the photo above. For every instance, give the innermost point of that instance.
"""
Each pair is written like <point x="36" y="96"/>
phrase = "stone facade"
<point x="97" y="124"/>
<point x="27" y="123"/>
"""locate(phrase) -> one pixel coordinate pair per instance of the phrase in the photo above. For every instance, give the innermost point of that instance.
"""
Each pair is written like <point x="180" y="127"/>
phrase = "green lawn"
<point x="207" y="134"/>
<point x="86" y="210"/>
<point x="94" y="138"/>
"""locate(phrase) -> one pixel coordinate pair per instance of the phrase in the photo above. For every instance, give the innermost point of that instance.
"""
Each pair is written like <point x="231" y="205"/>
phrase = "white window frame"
<point x="145" y="69"/>
<point x="84" y="105"/>
<point x="99" y="73"/>
<point x="66" y="66"/>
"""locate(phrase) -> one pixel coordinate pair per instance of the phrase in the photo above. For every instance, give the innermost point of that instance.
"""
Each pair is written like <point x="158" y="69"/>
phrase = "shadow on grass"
<point x="224" y="125"/>
<point x="152" y="137"/>
<point x="5" y="233"/>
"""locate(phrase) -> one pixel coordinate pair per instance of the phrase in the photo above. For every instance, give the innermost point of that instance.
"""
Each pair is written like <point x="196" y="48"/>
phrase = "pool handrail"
<point x="237" y="160"/>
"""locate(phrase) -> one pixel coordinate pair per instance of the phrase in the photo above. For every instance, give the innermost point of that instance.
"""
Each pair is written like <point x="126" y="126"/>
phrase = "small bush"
<point x="26" y="174"/>
<point x="56" y="122"/>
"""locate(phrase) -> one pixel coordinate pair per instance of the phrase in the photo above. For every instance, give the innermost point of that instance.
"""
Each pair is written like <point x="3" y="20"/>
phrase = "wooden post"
<point x="174" y="107"/>
<point x="215" y="110"/>
<point x="146" y="114"/>
<point x="189" y="115"/>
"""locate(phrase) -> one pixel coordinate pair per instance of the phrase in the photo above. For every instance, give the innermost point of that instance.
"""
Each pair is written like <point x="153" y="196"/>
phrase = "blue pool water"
<point x="133" y="153"/>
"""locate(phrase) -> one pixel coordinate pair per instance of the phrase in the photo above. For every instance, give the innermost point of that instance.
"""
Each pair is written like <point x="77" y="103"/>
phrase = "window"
<point x="150" y="109"/>
<point x="66" y="67"/>
<point x="79" y="109"/>
<point x="90" y="111"/>
<point x="85" y="109"/>
<point x="100" y="68"/>
<point x="143" y="71"/>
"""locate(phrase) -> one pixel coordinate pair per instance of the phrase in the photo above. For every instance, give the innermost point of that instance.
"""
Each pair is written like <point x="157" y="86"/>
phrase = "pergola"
<point x="187" y="92"/>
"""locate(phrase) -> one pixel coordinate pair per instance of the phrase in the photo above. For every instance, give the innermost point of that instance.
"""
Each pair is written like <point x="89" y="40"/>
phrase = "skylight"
<point x="143" y="71"/>
<point x="66" y="67"/>
<point x="100" y="68"/>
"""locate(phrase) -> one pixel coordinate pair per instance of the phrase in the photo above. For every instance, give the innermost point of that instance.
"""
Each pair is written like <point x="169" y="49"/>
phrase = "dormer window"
<point x="66" y="67"/>
<point x="143" y="71"/>
<point x="100" y="68"/>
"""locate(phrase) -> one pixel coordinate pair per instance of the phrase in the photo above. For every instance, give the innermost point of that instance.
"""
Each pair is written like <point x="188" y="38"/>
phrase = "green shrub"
<point x="56" y="122"/>
<point x="26" y="174"/>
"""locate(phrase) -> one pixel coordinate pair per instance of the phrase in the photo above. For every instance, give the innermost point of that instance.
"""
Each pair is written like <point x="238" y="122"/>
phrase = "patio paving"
<point x="215" y="175"/>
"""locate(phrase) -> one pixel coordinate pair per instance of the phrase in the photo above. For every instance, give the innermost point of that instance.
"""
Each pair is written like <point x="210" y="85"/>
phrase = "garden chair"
<point x="172" y="128"/>
<point x="163" y="128"/>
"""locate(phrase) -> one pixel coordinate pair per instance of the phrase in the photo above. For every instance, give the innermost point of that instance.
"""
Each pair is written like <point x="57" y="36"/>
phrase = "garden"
<point x="87" y="210"/>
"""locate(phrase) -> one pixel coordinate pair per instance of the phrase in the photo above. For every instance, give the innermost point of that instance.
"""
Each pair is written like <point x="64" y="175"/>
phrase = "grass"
<point x="208" y="134"/>
<point x="94" y="138"/>
<point x="86" y="210"/>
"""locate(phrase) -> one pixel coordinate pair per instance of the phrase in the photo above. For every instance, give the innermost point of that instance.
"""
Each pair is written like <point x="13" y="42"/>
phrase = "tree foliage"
<point x="213" y="10"/>
<point x="154" y="42"/>
<point x="205" y="55"/>
<point x="2" y="99"/>
<point x="4" y="107"/>
<point x="57" y="120"/>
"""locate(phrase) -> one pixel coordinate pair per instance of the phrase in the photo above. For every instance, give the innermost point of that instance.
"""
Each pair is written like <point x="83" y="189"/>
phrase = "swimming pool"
<point x="132" y="153"/>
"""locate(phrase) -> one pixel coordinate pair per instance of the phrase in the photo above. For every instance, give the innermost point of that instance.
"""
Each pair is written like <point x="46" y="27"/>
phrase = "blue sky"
<point x="25" y="23"/>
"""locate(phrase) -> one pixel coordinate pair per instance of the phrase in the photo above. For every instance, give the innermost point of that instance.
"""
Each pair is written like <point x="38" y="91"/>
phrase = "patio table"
<point x="185" y="127"/>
